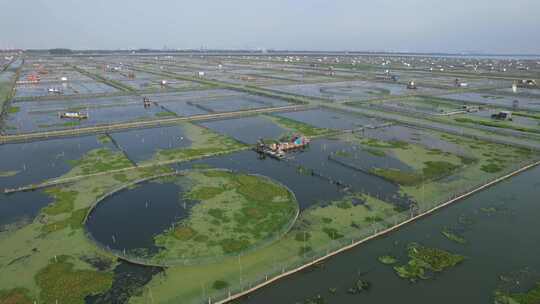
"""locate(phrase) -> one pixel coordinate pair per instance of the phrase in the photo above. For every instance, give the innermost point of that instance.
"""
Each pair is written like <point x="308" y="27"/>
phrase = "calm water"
<point x="130" y="218"/>
<point x="501" y="242"/>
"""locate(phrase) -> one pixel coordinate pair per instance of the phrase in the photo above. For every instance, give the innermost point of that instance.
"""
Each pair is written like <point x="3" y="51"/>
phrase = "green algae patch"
<point x="8" y="173"/>
<point x="13" y="110"/>
<point x="104" y="139"/>
<point x="59" y="281"/>
<point x="204" y="142"/>
<point x="454" y="237"/>
<point x="532" y="296"/>
<point x="99" y="160"/>
<point x="15" y="296"/>
<point x="63" y="203"/>
<point x="74" y="221"/>
<point x="230" y="213"/>
<point x="387" y="259"/>
<point x="432" y="170"/>
<point x="423" y="260"/>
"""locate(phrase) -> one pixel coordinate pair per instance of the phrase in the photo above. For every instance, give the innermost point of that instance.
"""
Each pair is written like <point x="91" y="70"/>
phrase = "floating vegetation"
<point x="296" y="126"/>
<point x="453" y="236"/>
<point x="219" y="284"/>
<point x="59" y="281"/>
<point x="425" y="259"/>
<point x="387" y="259"/>
<point x="63" y="203"/>
<point x="432" y="170"/>
<point x="13" y="109"/>
<point x="359" y="286"/>
<point x="104" y="139"/>
<point x="232" y="213"/>
<point x="491" y="168"/>
<point x="532" y="296"/>
<point x="8" y="173"/>
<point x="375" y="152"/>
<point x="318" y="299"/>
<point x="165" y="114"/>
<point x="15" y="296"/>
<point x="100" y="160"/>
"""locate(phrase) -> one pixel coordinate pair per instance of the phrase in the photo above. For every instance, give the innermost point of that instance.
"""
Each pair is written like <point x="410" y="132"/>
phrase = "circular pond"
<point x="196" y="216"/>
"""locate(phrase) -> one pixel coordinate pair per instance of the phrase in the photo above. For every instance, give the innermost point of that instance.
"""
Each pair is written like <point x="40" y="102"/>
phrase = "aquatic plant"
<point x="16" y="296"/>
<point x="59" y="281"/>
<point x="387" y="259"/>
<point x="453" y="236"/>
<point x="219" y="284"/>
<point x="422" y="259"/>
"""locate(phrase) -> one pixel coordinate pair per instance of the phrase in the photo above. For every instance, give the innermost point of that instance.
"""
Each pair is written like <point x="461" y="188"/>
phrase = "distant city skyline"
<point x="417" y="26"/>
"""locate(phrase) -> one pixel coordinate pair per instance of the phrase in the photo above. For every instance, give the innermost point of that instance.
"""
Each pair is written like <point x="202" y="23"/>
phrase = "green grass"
<point x="59" y="281"/>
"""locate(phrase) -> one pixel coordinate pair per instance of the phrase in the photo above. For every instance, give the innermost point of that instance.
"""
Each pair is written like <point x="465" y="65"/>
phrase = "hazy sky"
<point x="509" y="26"/>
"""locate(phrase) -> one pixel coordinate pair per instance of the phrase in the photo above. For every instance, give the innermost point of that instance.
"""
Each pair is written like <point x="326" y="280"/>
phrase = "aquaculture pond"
<point x="507" y="101"/>
<point x="129" y="219"/>
<point x="237" y="103"/>
<point x="197" y="214"/>
<point x="30" y="118"/>
<point x="32" y="162"/>
<point x="142" y="144"/>
<point x="242" y="129"/>
<point x="431" y="140"/>
<point x="67" y="88"/>
<point x="19" y="209"/>
<point x="325" y="118"/>
<point x="356" y="90"/>
<point x="496" y="236"/>
<point x="422" y="105"/>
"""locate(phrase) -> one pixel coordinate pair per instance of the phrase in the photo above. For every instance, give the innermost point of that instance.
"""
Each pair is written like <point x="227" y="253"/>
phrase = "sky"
<point x="453" y="26"/>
